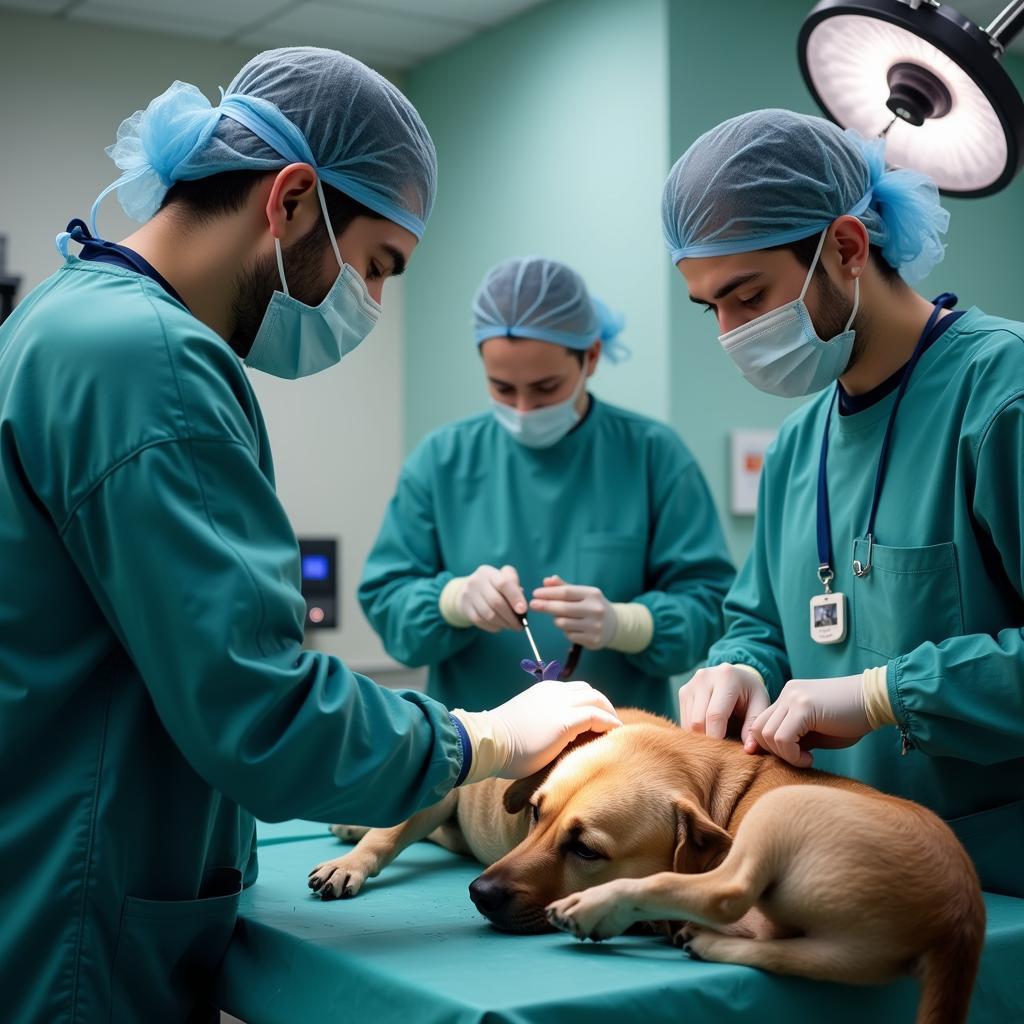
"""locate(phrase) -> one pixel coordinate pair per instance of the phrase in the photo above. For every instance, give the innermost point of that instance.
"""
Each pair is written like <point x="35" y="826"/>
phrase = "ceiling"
<point x="393" y="34"/>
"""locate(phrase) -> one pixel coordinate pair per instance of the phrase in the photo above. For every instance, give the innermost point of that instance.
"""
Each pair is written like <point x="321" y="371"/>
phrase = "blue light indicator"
<point x="315" y="567"/>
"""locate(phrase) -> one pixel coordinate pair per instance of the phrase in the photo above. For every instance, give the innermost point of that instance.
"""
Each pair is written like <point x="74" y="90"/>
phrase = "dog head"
<point x="621" y="805"/>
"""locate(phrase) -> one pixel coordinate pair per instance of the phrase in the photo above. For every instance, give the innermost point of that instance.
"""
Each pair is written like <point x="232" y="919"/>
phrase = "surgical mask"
<point x="781" y="353"/>
<point x="296" y="340"/>
<point x="544" y="427"/>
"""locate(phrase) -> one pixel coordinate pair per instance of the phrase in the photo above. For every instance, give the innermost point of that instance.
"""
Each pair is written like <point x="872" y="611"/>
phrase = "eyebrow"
<point x="531" y="384"/>
<point x="397" y="260"/>
<point x="730" y="286"/>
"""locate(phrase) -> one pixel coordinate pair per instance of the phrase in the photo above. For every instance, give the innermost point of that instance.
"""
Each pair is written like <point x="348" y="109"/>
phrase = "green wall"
<point x="750" y="63"/>
<point x="551" y="140"/>
<point x="555" y="132"/>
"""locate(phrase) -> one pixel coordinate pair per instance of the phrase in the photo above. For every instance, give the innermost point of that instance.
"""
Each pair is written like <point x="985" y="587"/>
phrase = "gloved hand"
<point x="811" y="713"/>
<point x="715" y="695"/>
<point x="530" y="730"/>
<point x="584" y="614"/>
<point x="489" y="596"/>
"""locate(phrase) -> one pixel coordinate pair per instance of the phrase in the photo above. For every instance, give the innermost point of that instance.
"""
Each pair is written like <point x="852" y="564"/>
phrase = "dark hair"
<point x="206" y="199"/>
<point x="804" y="251"/>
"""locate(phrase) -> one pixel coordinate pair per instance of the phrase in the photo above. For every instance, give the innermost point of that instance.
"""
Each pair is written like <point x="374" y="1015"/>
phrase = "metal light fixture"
<point x="925" y="78"/>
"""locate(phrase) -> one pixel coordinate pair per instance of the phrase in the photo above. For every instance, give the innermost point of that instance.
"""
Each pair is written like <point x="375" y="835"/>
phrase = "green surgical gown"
<point x="154" y="693"/>
<point x="619" y="503"/>
<point x="943" y="604"/>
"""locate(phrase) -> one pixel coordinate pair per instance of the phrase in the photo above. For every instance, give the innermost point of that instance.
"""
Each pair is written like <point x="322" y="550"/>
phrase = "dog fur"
<point x="756" y="862"/>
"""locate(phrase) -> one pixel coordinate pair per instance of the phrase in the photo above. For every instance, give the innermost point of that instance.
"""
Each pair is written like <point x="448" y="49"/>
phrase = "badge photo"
<point x="828" y="618"/>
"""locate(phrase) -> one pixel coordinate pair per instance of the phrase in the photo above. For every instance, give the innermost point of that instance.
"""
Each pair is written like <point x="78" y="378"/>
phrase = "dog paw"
<point x="595" y="914"/>
<point x="339" y="879"/>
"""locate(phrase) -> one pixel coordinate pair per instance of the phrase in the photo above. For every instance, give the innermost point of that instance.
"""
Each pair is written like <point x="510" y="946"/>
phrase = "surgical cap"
<point x="773" y="177"/>
<point x="301" y="104"/>
<point x="546" y="300"/>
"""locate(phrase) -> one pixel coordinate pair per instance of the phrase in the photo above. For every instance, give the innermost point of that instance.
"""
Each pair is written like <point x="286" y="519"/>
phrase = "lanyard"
<point x="825" y="572"/>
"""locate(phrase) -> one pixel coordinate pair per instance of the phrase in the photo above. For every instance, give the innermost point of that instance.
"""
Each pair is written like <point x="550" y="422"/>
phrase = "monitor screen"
<point x="315" y="567"/>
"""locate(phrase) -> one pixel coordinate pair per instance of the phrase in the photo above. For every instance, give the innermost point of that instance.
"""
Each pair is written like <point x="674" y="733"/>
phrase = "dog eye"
<point x="535" y="811"/>
<point x="585" y="852"/>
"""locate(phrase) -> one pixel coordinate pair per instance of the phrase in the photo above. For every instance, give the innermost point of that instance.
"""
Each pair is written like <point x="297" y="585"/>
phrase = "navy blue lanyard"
<point x="98" y="248"/>
<point x="825" y="571"/>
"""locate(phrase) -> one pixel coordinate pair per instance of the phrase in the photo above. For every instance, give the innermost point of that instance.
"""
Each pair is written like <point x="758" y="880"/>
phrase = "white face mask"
<point x="544" y="427"/>
<point x="781" y="353"/>
<point x="296" y="340"/>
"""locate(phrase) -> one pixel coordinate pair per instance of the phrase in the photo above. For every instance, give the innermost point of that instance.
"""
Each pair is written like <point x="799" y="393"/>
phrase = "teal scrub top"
<point x="154" y="693"/>
<point x="943" y="605"/>
<point x="619" y="503"/>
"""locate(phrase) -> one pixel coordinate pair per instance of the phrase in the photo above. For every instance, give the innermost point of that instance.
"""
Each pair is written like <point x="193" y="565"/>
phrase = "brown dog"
<point x="791" y="870"/>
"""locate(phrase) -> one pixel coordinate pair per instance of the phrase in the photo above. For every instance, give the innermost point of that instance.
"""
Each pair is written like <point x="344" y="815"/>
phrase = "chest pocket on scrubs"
<point x="911" y="596"/>
<point x="169" y="951"/>
<point x="615" y="562"/>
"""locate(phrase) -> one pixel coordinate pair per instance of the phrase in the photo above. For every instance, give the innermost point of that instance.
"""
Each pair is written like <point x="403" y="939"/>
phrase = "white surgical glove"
<point x="715" y="695"/>
<point x="490" y="599"/>
<point x="529" y="731"/>
<point x="812" y="713"/>
<point x="588" y="618"/>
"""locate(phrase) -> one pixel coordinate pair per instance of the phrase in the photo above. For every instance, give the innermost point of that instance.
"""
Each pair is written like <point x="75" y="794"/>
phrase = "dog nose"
<point x="488" y="895"/>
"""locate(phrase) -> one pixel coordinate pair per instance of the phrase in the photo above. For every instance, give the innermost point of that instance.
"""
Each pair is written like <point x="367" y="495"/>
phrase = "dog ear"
<point x="700" y="844"/>
<point x="517" y="796"/>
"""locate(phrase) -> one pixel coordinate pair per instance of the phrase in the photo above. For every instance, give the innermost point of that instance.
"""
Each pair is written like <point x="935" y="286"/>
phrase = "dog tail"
<point x="947" y="971"/>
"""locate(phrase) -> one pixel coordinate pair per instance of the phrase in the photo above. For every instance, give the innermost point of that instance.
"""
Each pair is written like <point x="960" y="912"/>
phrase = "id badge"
<point x="828" y="618"/>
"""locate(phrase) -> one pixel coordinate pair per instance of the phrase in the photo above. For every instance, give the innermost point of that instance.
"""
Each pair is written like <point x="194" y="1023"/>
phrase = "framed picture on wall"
<point x="746" y="458"/>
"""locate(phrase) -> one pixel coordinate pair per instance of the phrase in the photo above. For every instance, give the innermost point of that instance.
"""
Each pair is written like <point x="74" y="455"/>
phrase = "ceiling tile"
<point x="102" y="13"/>
<point x="394" y="34"/>
<point x="239" y="13"/>
<point x="350" y="28"/>
<point x="35" y="6"/>
<point x="470" y="12"/>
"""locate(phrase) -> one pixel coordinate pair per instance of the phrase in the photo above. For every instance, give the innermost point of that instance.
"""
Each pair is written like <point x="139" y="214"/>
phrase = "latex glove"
<point x="531" y="730"/>
<point x="811" y="713"/>
<point x="584" y="614"/>
<point x="493" y="598"/>
<point x="714" y="696"/>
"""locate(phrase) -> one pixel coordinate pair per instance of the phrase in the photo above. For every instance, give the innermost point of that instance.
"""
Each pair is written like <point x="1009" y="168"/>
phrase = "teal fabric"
<point x="619" y="503"/>
<point x="412" y="948"/>
<point x="153" y="687"/>
<point x="270" y="833"/>
<point x="943" y="606"/>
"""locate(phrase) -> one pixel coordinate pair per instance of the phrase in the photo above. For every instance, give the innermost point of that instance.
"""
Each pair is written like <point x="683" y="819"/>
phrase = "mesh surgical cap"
<point x="546" y="300"/>
<point x="300" y="104"/>
<point x="773" y="177"/>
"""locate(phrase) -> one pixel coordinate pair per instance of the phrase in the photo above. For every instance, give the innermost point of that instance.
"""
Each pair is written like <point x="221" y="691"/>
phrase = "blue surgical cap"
<point x="546" y="300"/>
<point x="773" y="177"/>
<point x="301" y="104"/>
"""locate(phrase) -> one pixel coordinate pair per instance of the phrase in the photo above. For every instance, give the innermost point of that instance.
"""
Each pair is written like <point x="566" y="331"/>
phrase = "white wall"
<point x="66" y="86"/>
<point x="337" y="437"/>
<point x="337" y="443"/>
